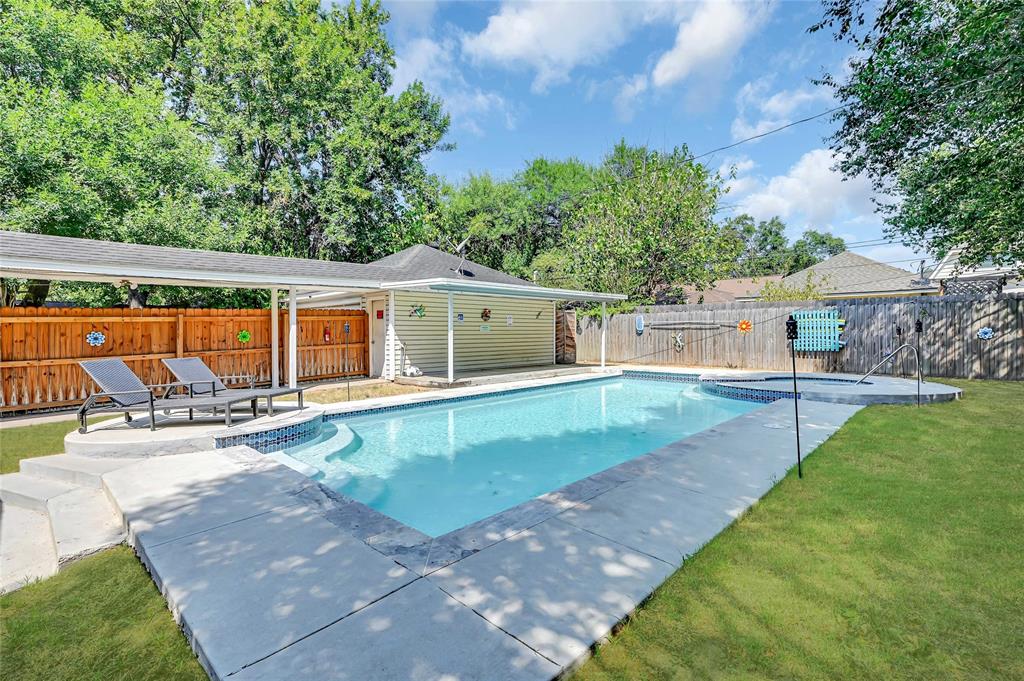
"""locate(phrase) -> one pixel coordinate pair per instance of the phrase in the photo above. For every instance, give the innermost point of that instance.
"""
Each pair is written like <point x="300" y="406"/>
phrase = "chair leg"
<point x="152" y="413"/>
<point x="227" y="415"/>
<point x="191" y="415"/>
<point x="255" y="409"/>
<point x="127" y="417"/>
<point x="300" y="400"/>
<point x="270" y="405"/>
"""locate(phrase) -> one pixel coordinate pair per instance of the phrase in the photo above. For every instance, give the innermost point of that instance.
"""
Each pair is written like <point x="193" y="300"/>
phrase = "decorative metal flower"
<point x="417" y="311"/>
<point x="485" y="314"/>
<point x="95" y="338"/>
<point x="986" y="333"/>
<point x="244" y="336"/>
<point x="677" y="341"/>
<point x="745" y="326"/>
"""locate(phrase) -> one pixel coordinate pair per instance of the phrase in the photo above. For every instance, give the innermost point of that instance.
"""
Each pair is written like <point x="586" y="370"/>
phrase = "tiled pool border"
<point x="296" y="434"/>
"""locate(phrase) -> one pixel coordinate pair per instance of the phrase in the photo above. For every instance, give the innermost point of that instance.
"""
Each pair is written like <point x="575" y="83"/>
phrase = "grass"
<point x="100" y="619"/>
<point x="41" y="439"/>
<point x="898" y="556"/>
<point x="337" y="392"/>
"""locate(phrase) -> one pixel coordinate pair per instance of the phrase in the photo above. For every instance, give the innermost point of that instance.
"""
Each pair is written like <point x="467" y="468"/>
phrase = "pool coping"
<point x="424" y="554"/>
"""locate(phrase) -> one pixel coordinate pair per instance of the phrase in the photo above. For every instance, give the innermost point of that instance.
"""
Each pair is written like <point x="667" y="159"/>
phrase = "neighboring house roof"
<point x="851" y="274"/>
<point x="424" y="262"/>
<point x="729" y="290"/>
<point x="949" y="269"/>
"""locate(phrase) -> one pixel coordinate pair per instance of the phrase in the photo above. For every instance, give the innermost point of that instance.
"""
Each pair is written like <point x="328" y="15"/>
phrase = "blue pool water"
<point x="439" y="467"/>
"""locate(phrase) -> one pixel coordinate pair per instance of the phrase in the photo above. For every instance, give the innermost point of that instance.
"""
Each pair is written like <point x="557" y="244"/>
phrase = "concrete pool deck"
<point x="268" y="583"/>
<point x="272" y="575"/>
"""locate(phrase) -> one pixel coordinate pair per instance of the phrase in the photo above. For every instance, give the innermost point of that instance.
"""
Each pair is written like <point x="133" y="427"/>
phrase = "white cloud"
<point x="553" y="38"/>
<point x="709" y="39"/>
<point x="626" y="99"/>
<point x="758" y="111"/>
<point x="810" y="194"/>
<point x="743" y="182"/>
<point x="410" y="18"/>
<point x="434" y="63"/>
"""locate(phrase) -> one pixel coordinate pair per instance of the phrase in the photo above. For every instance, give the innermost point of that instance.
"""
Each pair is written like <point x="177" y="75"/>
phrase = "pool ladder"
<point x="917" y="363"/>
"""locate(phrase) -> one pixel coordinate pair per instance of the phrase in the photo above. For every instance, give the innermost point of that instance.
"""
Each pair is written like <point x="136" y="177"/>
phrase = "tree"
<point x="512" y="222"/>
<point x="267" y="127"/>
<point x="934" y="114"/>
<point x="297" y="98"/>
<point x="812" y="288"/>
<point x="765" y="246"/>
<point x="766" y="250"/>
<point x="647" y="224"/>
<point x="812" y="248"/>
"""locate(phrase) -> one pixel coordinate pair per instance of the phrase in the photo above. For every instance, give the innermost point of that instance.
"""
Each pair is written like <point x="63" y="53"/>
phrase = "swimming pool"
<point x="439" y="467"/>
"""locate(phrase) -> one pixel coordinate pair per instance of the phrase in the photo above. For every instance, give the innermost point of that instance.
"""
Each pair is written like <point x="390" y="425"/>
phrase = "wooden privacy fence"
<point x="40" y="347"/>
<point x="950" y="345"/>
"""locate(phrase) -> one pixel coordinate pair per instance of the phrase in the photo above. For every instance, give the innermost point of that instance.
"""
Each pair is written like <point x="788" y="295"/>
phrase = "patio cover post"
<point x="451" y="341"/>
<point x="275" y="340"/>
<point x="293" y="341"/>
<point x="604" y="330"/>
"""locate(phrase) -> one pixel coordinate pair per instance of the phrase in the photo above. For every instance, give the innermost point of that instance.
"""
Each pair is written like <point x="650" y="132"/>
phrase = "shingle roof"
<point x="424" y="262"/>
<point x="728" y="290"/>
<point x="853" y="273"/>
<point x="417" y="262"/>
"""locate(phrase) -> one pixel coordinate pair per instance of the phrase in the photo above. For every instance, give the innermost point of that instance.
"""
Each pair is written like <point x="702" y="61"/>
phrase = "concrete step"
<point x="82" y="522"/>
<point x="29" y="491"/>
<point x="26" y="551"/>
<point x="84" y="471"/>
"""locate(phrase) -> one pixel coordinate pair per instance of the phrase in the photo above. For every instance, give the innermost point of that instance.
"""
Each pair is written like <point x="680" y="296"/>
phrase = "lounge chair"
<point x="201" y="381"/>
<point x="127" y="393"/>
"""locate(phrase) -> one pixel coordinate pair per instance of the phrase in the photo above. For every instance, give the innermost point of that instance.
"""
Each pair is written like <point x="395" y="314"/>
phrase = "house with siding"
<point x="497" y="320"/>
<point x="427" y="309"/>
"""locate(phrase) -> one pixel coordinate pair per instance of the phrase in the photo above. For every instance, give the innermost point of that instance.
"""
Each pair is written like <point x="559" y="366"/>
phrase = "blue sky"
<point x="560" y="79"/>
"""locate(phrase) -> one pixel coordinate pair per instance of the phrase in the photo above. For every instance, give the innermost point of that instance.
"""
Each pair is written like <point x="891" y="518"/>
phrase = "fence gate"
<point x="40" y="347"/>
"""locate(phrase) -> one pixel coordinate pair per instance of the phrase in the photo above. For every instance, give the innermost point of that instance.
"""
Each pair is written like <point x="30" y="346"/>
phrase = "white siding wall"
<point x="528" y="341"/>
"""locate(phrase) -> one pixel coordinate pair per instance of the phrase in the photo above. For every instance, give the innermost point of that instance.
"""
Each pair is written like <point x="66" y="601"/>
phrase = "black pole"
<point x="791" y="334"/>
<point x="918" y="329"/>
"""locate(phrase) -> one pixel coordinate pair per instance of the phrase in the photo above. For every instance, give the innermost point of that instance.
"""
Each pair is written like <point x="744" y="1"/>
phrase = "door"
<point x="378" y="329"/>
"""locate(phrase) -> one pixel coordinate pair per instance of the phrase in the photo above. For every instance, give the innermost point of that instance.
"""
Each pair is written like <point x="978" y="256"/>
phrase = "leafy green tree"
<point x="765" y="248"/>
<point x="268" y="127"/>
<point x="511" y="222"/>
<point x="649" y="224"/>
<point x="297" y="98"/>
<point x="812" y="248"/>
<point x="934" y="113"/>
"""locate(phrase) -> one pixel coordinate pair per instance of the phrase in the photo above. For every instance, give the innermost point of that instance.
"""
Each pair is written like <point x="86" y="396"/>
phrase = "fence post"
<point x="180" y="337"/>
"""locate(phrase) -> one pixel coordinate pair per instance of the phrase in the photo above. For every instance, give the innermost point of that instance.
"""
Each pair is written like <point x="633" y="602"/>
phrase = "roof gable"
<point x="424" y="262"/>
<point x="854" y="273"/>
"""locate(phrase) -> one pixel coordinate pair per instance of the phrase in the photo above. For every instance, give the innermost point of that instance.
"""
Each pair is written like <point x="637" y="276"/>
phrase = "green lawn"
<point x="899" y="556"/>
<point x="100" y="619"/>
<point x="43" y="439"/>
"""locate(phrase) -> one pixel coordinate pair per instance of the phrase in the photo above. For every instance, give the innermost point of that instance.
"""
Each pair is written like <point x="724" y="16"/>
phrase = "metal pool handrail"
<point x="917" y="363"/>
